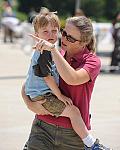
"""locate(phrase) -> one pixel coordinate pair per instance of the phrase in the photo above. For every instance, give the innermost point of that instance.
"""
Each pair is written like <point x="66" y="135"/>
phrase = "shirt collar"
<point x="77" y="57"/>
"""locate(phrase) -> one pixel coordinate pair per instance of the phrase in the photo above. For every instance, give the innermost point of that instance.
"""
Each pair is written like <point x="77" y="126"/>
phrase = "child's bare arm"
<point x="54" y="87"/>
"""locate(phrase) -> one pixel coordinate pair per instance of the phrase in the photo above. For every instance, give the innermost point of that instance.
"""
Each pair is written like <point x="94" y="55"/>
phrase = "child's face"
<point x="48" y="33"/>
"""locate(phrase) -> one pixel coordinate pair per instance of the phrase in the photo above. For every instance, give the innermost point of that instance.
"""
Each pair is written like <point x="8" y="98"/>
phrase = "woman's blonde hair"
<point x="86" y="31"/>
<point x="44" y="18"/>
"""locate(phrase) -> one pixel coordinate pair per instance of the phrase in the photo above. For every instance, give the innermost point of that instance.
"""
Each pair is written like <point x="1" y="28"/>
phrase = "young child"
<point x="43" y="80"/>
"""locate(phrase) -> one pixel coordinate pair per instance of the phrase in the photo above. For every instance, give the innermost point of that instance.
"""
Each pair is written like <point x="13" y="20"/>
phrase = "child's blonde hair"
<point x="86" y="31"/>
<point x="44" y="18"/>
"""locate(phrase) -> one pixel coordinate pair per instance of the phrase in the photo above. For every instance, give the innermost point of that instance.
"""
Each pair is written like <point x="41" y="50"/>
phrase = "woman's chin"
<point x="63" y="47"/>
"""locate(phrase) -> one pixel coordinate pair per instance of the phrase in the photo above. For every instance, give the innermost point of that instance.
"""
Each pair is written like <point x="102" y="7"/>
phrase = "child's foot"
<point x="97" y="146"/>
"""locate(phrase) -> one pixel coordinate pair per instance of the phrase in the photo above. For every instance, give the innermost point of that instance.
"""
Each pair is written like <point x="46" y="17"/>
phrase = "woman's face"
<point x="48" y="33"/>
<point x="70" y="41"/>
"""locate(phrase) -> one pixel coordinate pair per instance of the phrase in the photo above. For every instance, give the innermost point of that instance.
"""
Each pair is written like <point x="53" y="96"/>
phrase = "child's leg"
<point x="52" y="104"/>
<point x="76" y="120"/>
<point x="78" y="124"/>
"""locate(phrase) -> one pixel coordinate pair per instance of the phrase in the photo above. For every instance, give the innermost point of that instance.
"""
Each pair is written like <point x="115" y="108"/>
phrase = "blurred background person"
<point x="115" y="59"/>
<point x="8" y="21"/>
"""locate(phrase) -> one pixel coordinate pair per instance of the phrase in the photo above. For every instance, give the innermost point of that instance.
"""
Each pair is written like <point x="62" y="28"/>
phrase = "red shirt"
<point x="80" y="94"/>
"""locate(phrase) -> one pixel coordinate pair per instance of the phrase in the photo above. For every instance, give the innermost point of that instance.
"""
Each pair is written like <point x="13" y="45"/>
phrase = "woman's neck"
<point x="70" y="54"/>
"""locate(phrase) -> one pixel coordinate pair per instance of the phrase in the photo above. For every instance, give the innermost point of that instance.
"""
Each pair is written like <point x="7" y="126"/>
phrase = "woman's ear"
<point x="83" y="44"/>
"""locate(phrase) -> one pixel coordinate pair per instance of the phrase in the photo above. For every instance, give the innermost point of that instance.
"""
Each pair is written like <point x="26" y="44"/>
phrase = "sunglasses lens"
<point x="68" y="37"/>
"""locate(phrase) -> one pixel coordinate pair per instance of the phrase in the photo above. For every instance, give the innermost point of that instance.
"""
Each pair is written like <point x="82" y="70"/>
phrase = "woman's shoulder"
<point x="92" y="58"/>
<point x="91" y="55"/>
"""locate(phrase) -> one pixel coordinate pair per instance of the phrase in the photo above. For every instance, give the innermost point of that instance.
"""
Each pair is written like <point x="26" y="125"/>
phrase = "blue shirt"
<point x="41" y="66"/>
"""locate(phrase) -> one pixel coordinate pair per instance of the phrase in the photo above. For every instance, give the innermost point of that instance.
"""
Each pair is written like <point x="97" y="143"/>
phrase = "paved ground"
<point x="16" y="119"/>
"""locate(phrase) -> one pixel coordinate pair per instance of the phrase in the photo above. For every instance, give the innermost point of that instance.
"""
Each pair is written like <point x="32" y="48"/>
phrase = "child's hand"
<point x="65" y="99"/>
<point x="42" y="44"/>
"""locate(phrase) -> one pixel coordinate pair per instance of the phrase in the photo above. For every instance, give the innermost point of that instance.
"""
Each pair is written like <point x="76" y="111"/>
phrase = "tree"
<point x="99" y="10"/>
<point x="64" y="7"/>
<point x="111" y="8"/>
<point x="27" y="5"/>
<point x="93" y="8"/>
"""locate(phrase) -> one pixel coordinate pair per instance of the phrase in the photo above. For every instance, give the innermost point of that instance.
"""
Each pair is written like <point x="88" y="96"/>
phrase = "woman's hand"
<point x="35" y="107"/>
<point x="42" y="44"/>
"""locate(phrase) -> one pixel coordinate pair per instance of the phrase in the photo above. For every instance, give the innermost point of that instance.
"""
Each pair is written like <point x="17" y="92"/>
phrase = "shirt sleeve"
<point x="44" y="66"/>
<point x="92" y="66"/>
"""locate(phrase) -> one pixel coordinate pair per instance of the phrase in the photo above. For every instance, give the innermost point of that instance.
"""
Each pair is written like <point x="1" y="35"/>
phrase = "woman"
<point x="78" y="70"/>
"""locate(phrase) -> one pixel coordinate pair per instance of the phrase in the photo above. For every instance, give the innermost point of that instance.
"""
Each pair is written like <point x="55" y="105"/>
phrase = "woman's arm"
<point x="35" y="107"/>
<point x="67" y="73"/>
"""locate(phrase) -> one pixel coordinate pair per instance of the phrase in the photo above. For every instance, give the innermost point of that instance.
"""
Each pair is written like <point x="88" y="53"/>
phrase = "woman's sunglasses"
<point x="68" y="37"/>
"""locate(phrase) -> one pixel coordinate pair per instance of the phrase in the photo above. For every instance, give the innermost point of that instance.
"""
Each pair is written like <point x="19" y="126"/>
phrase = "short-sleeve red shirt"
<point x="80" y="94"/>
